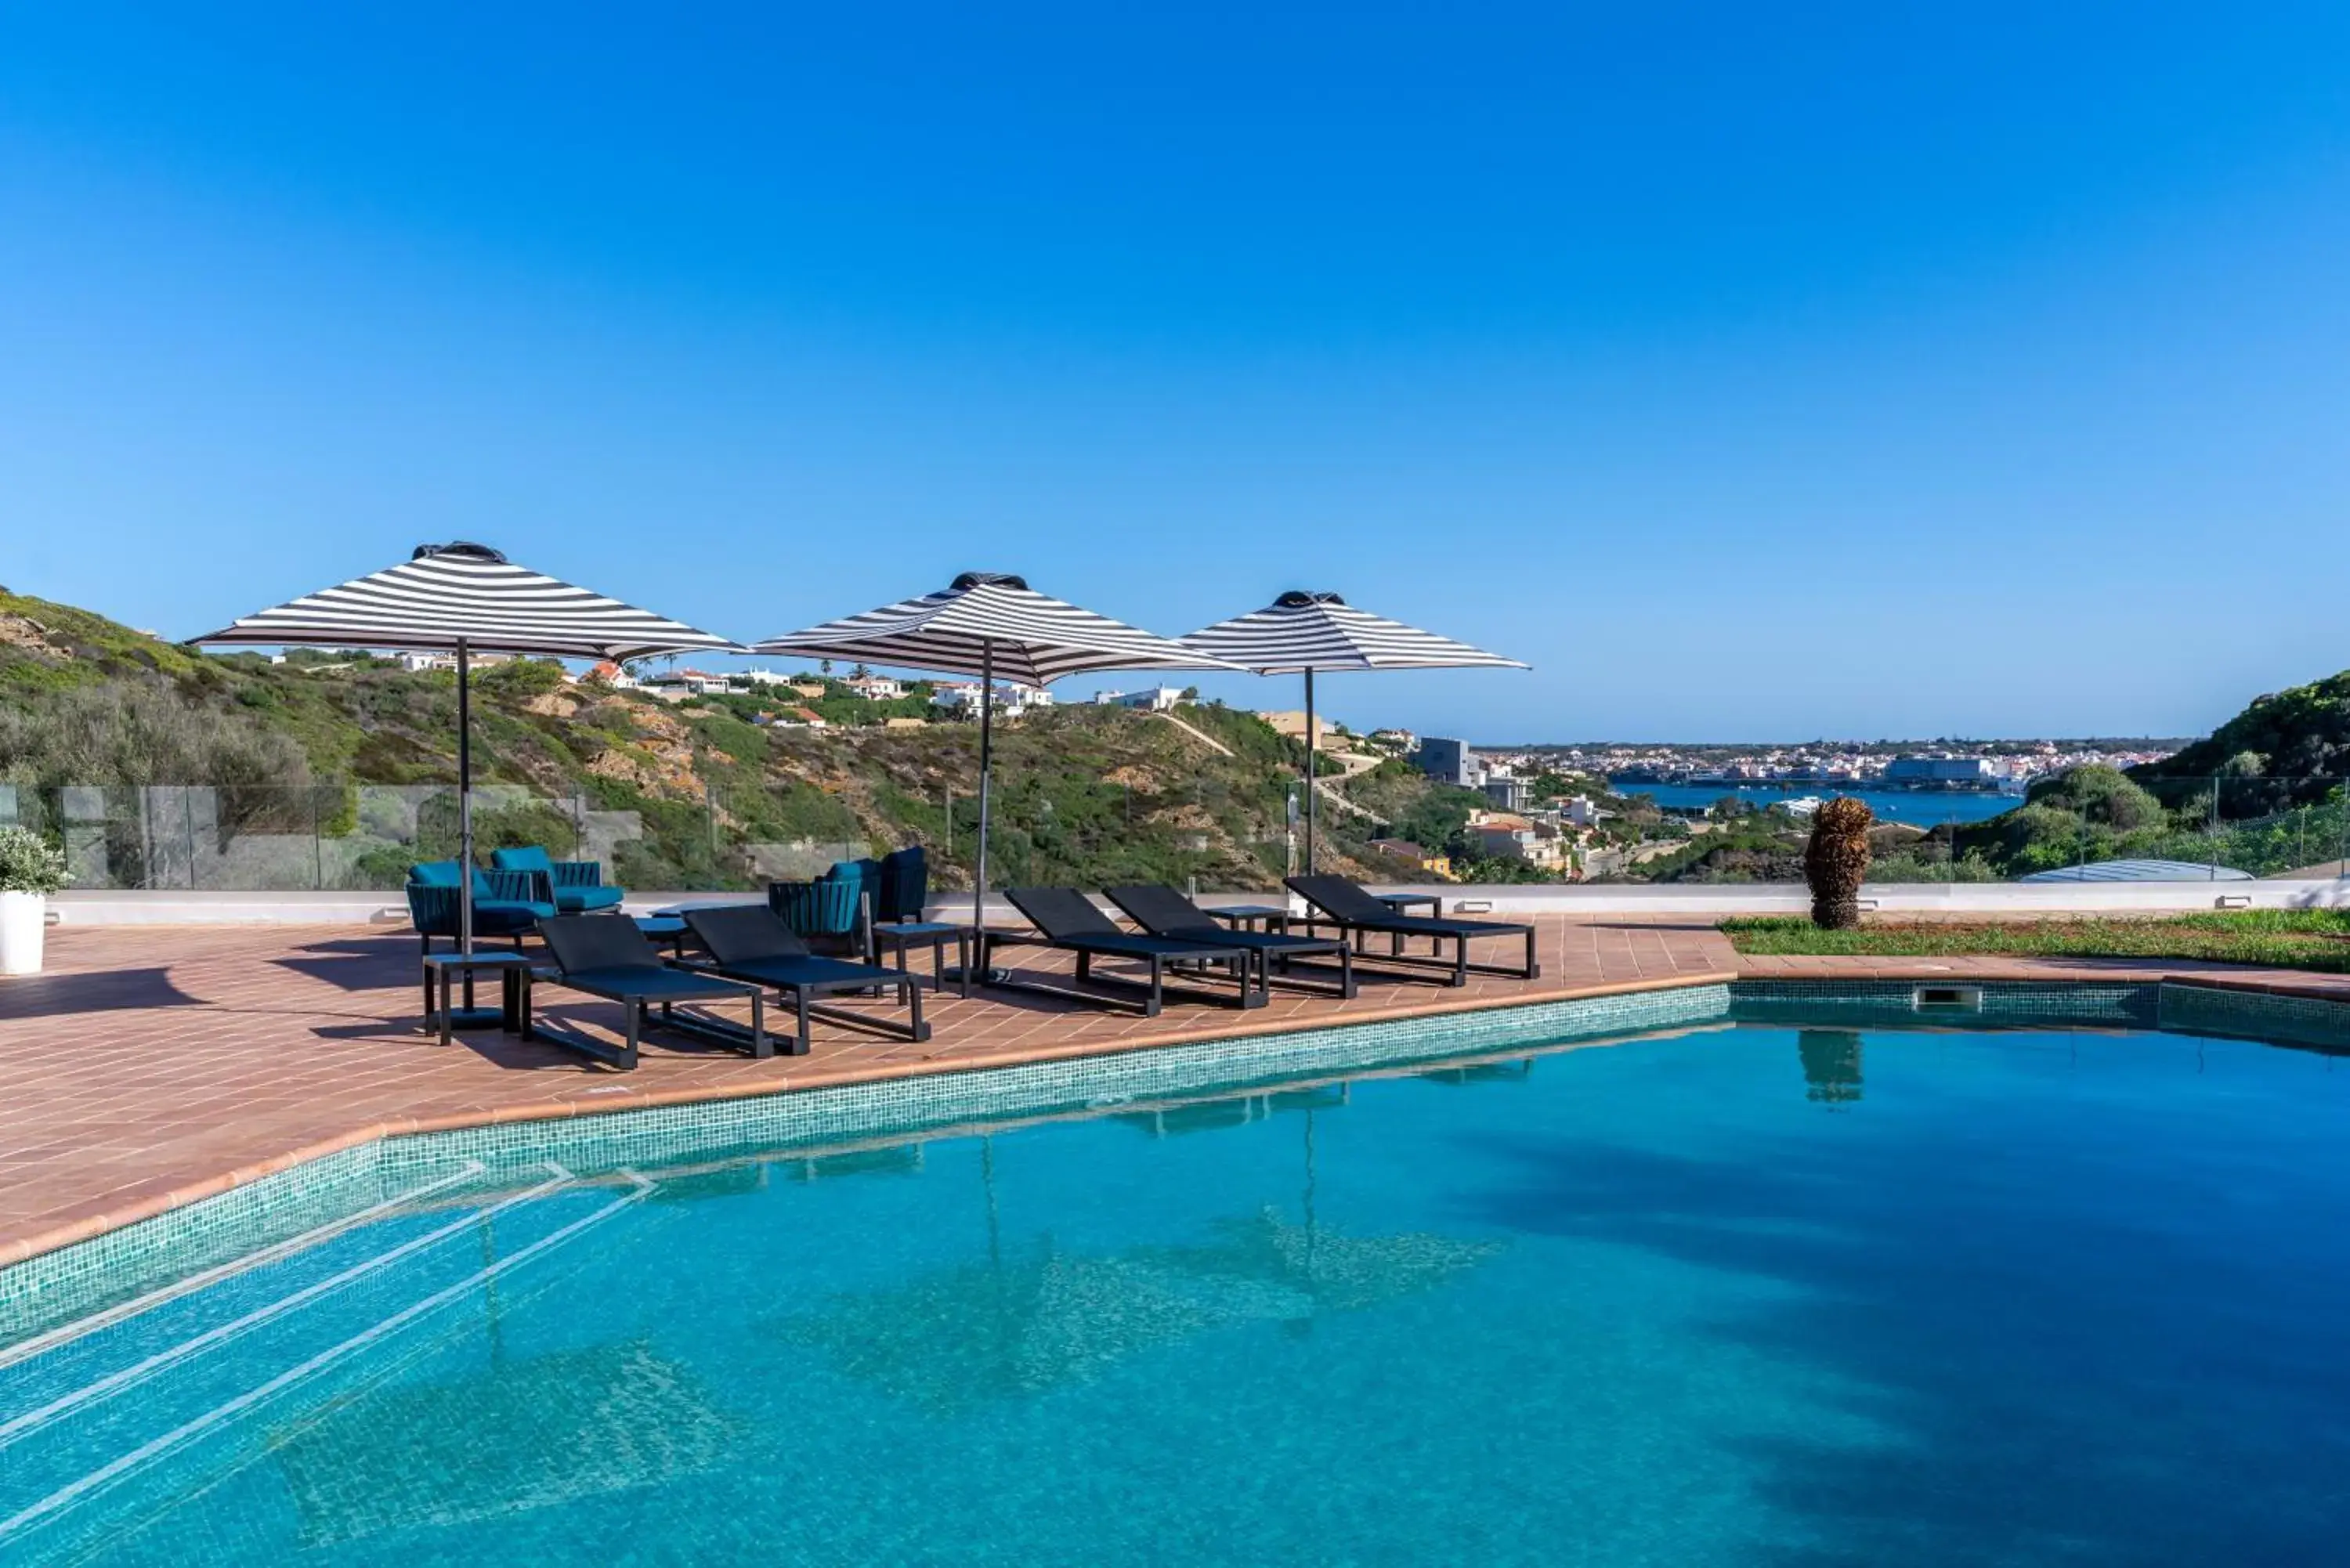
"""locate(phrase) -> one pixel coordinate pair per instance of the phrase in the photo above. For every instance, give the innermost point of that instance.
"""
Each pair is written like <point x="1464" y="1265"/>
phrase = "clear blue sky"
<point x="1749" y="370"/>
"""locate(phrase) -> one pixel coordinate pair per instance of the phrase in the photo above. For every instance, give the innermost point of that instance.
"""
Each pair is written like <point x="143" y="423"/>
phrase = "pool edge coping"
<point x="77" y="1232"/>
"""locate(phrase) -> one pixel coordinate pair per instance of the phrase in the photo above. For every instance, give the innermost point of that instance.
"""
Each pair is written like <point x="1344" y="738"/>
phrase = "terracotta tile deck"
<point x="153" y="1065"/>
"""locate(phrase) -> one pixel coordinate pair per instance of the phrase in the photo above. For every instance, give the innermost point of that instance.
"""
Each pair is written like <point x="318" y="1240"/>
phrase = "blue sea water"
<point x="1741" y="1296"/>
<point x="1918" y="808"/>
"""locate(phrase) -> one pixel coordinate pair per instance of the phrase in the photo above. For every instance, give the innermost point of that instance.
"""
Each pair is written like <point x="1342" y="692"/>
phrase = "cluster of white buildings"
<point x="959" y="699"/>
<point x="1149" y="700"/>
<point x="1851" y="766"/>
<point x="1456" y="762"/>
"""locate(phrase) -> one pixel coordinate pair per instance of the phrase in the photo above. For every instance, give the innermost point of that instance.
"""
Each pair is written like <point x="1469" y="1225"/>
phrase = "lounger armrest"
<point x="579" y="873"/>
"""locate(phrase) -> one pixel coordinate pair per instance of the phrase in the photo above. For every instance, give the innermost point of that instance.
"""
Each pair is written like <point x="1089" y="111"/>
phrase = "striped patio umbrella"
<point x="464" y="599"/>
<point x="1300" y="633"/>
<point x="989" y="623"/>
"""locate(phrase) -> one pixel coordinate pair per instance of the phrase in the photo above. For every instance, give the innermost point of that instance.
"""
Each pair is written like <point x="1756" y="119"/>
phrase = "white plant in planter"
<point x="31" y="869"/>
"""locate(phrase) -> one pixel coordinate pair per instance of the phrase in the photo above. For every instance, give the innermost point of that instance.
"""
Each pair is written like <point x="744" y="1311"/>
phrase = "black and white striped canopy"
<point x="987" y="617"/>
<point x="448" y="593"/>
<point x="1301" y="631"/>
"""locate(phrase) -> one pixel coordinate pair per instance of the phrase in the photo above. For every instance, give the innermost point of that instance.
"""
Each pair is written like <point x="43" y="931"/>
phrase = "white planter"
<point x="23" y="917"/>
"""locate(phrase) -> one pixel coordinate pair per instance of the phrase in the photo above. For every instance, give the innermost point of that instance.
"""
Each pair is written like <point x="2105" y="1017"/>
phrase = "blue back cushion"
<point x="905" y="884"/>
<point x="443" y="874"/>
<point x="529" y="858"/>
<point x="863" y="876"/>
<point x="824" y="907"/>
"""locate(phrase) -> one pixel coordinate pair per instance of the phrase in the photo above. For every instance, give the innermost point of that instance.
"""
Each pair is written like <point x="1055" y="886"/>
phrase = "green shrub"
<point x="30" y="863"/>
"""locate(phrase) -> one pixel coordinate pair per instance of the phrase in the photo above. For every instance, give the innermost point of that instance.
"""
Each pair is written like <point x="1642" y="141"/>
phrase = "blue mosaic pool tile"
<point x="670" y="1134"/>
<point x="2294" y="1020"/>
<point x="74" y="1281"/>
<point x="2004" y="1004"/>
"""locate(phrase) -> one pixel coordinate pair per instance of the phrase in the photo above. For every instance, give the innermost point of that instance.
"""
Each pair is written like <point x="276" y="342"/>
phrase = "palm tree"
<point x="1835" y="862"/>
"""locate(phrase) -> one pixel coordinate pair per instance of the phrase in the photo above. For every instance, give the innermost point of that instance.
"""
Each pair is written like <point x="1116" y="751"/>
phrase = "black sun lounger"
<point x="1066" y="920"/>
<point x="1164" y="912"/>
<point x="1344" y="904"/>
<point x="606" y="956"/>
<point x="750" y="943"/>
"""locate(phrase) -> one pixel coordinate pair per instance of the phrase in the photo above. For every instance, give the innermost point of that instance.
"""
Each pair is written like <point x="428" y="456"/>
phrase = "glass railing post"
<point x="2218" y="784"/>
<point x="2340" y="795"/>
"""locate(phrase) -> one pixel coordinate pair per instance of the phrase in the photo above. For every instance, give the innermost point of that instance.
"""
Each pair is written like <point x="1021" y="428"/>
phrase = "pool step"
<point x="98" y="1408"/>
<point x="214" y="1293"/>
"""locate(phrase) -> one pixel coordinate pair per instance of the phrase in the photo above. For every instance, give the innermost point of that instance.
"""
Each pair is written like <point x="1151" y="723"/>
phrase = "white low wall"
<point x="2011" y="899"/>
<point x="1897" y="898"/>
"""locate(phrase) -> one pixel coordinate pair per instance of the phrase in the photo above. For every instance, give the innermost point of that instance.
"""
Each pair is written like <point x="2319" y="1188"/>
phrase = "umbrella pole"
<point x="465" y="816"/>
<point x="986" y="740"/>
<point x="1309" y="772"/>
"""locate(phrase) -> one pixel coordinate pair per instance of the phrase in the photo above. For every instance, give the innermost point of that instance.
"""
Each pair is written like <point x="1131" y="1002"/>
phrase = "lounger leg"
<point x="1533" y="969"/>
<point x="800" y="997"/>
<point x="1345" y="974"/>
<point x="919" y="1030"/>
<point x="1460" y="960"/>
<point x="1085" y="968"/>
<point x="634" y="1012"/>
<point x="761" y="1046"/>
<point x="1150" y="1005"/>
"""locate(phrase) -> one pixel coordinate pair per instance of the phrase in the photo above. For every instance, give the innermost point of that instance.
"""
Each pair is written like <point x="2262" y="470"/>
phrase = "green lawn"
<point x="2289" y="939"/>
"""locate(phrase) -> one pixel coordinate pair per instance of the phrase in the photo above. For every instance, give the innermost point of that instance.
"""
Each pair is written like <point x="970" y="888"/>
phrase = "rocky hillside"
<point x="334" y="759"/>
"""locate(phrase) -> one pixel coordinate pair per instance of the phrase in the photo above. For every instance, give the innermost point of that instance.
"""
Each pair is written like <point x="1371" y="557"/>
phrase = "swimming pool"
<point x="1810" y="1285"/>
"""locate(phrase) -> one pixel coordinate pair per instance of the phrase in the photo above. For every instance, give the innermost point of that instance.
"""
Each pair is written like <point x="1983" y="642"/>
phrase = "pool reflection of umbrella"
<point x="517" y="1435"/>
<point x="1012" y="1328"/>
<point x="1330" y="1270"/>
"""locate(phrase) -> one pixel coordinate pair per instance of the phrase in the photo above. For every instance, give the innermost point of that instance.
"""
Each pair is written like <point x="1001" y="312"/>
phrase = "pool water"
<point x="1745" y="1295"/>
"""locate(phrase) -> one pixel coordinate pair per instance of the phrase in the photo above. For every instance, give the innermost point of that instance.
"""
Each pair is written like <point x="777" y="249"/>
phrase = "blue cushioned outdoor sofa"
<point x="573" y="887"/>
<point x="505" y="907"/>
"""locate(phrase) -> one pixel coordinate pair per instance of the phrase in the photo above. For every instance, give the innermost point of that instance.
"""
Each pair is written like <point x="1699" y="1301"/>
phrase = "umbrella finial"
<point x="984" y="579"/>
<point x="459" y="547"/>
<point x="1297" y="598"/>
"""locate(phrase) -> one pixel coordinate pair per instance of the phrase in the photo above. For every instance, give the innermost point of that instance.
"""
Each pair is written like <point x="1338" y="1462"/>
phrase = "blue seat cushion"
<point x="585" y="900"/>
<point x="515" y="913"/>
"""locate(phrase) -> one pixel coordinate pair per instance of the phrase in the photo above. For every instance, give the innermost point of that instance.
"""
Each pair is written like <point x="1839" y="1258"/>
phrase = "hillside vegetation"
<point x="341" y="745"/>
<point x="2315" y="940"/>
<point x="2263" y="793"/>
